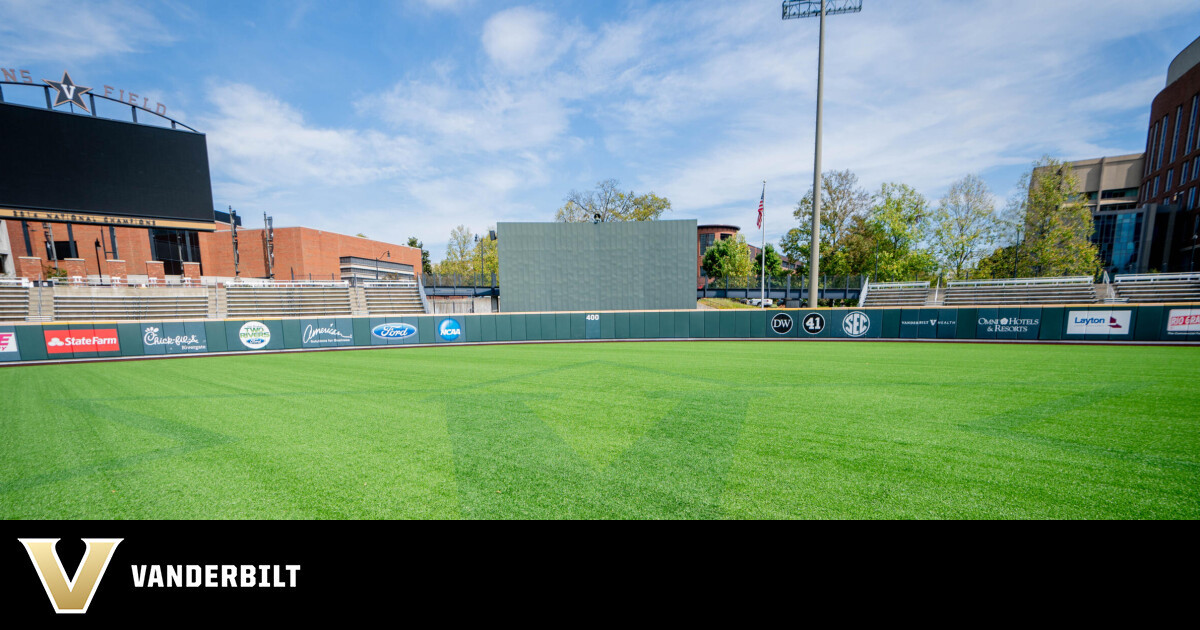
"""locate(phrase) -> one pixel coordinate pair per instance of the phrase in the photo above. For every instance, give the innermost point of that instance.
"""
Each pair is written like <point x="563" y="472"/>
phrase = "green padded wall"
<point x="635" y="265"/>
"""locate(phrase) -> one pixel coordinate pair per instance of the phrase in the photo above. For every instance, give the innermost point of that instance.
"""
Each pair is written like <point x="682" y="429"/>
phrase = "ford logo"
<point x="394" y="331"/>
<point x="449" y="329"/>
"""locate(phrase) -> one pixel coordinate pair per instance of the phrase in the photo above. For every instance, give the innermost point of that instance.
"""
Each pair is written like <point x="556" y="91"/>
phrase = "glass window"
<point x="1191" y="198"/>
<point x="1170" y="176"/>
<point x="1155" y="193"/>
<point x="1162" y="141"/>
<point x="1192" y="125"/>
<point x="1175" y="136"/>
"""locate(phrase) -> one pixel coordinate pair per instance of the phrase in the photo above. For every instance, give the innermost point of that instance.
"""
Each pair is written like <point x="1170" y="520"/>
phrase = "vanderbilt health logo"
<point x="75" y="595"/>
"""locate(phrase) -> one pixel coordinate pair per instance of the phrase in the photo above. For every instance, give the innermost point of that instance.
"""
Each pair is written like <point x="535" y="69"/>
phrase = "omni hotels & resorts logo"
<point x="74" y="595"/>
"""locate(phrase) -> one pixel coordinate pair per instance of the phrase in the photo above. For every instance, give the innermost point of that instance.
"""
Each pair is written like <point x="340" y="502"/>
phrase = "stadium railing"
<point x="281" y="298"/>
<point x="1158" y="287"/>
<point x="14" y="299"/>
<point x="896" y="294"/>
<point x="395" y="297"/>
<point x="1017" y="291"/>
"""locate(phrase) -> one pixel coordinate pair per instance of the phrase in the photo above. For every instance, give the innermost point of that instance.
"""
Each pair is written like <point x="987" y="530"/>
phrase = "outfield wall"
<point x="50" y="342"/>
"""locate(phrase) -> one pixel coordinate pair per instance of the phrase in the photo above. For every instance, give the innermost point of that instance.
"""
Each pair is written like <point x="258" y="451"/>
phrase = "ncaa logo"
<point x="781" y="323"/>
<point x="449" y="329"/>
<point x="856" y="324"/>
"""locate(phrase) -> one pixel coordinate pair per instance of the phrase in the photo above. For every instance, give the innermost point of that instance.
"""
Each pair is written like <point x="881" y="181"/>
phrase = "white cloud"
<point x="523" y="40"/>
<point x="33" y="31"/>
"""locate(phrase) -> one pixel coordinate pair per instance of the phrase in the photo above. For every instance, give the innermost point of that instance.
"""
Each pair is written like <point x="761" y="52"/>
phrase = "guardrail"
<point x="15" y="282"/>
<point x="1158" y="277"/>
<point x="1022" y="282"/>
<point x="924" y="284"/>
<point x="285" y="284"/>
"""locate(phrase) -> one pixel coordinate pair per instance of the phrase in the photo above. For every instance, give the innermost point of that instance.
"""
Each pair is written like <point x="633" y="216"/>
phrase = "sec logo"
<point x="856" y="324"/>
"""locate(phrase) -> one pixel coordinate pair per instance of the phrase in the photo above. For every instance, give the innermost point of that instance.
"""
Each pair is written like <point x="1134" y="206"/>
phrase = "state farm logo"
<point x="8" y="342"/>
<point x="99" y="340"/>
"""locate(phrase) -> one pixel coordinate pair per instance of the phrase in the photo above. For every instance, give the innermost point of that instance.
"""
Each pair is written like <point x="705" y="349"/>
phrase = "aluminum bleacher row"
<point x="1158" y="287"/>
<point x="896" y="294"/>
<point x="248" y="298"/>
<point x="14" y="299"/>
<point x="393" y="297"/>
<point x="1074" y="290"/>
<point x="93" y="303"/>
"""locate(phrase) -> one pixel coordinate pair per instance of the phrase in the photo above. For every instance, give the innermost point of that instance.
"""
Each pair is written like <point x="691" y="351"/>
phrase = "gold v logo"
<point x="72" y="596"/>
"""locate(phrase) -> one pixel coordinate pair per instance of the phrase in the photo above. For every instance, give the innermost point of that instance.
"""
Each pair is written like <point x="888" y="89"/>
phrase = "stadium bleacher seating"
<point x="1073" y="290"/>
<point x="1158" y="288"/>
<point x="286" y="299"/>
<point x="392" y="298"/>
<point x="896" y="294"/>
<point x="115" y="303"/>
<point x="14" y="299"/>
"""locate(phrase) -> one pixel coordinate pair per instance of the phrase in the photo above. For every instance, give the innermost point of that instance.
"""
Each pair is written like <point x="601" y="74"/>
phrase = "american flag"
<point x="760" y="206"/>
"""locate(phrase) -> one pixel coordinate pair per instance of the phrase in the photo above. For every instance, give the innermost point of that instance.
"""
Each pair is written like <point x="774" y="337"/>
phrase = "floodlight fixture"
<point x="793" y="9"/>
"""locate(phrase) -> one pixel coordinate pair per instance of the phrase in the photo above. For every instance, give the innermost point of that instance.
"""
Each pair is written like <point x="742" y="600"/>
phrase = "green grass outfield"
<point x="611" y="430"/>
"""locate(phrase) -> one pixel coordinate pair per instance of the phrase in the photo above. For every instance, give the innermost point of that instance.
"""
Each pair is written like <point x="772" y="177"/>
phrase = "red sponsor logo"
<point x="1187" y="321"/>
<point x="8" y="342"/>
<point x="99" y="340"/>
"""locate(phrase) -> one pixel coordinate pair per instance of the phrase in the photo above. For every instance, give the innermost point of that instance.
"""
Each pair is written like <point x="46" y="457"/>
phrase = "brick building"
<point x="300" y="253"/>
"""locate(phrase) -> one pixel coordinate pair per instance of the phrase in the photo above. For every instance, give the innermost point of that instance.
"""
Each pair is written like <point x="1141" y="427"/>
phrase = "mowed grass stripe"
<point x="621" y="430"/>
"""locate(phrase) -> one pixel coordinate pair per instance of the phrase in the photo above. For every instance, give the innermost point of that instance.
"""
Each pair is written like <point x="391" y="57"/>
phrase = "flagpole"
<point x="762" y="296"/>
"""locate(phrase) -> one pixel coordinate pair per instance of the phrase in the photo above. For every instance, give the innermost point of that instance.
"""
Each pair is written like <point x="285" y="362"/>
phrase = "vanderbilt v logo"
<point x="72" y="596"/>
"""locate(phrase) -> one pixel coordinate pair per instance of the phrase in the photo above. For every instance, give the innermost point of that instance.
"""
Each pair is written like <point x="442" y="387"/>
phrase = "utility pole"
<point x="233" y="221"/>
<point x="794" y="9"/>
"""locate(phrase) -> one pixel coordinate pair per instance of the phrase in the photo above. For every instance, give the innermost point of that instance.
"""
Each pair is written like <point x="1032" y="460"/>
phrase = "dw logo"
<point x="856" y="324"/>
<point x="781" y="324"/>
<point x="75" y="596"/>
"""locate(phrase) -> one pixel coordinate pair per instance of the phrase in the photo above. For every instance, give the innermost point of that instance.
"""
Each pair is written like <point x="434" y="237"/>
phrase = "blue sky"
<point x="413" y="116"/>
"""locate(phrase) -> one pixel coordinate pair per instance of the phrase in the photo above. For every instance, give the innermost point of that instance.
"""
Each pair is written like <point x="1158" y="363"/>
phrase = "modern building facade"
<point x="1170" y="183"/>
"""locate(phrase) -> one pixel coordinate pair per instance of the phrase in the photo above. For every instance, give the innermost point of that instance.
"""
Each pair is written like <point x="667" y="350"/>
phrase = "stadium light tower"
<point x="794" y="9"/>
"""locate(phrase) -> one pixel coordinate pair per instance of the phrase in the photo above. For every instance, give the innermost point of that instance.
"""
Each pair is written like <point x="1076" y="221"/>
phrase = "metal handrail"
<point x="285" y="284"/>
<point x="1022" y="282"/>
<point x="900" y="285"/>
<point x="1158" y="277"/>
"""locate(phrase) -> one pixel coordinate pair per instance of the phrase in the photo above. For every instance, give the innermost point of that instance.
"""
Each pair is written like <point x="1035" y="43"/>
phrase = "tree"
<point x="611" y="204"/>
<point x="1001" y="263"/>
<point x="965" y="223"/>
<point x="459" y="252"/>
<point x="730" y="258"/>
<point x="774" y="264"/>
<point x="841" y="201"/>
<point x="425" y="266"/>
<point x="1057" y="224"/>
<point x="895" y="229"/>
<point x="485" y="260"/>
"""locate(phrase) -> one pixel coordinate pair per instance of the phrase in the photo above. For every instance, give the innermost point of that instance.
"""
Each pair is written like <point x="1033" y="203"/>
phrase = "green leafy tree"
<point x="1001" y="263"/>
<point x="612" y="204"/>
<point x="485" y="259"/>
<point x="460" y="250"/>
<point x="730" y="258"/>
<point x="1057" y="224"/>
<point x="895" y="229"/>
<point x="965" y="224"/>
<point x="425" y="266"/>
<point x="842" y="200"/>
<point x="774" y="263"/>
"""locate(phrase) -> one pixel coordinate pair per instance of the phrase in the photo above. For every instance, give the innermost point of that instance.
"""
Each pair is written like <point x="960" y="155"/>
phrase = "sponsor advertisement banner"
<point x="60" y="342"/>
<point x="9" y="350"/>
<point x="1008" y="323"/>
<point x="385" y="332"/>
<point x="857" y="324"/>
<point x="451" y="329"/>
<point x="1106" y="322"/>
<point x="174" y="338"/>
<point x="1183" y="321"/>
<point x="326" y="333"/>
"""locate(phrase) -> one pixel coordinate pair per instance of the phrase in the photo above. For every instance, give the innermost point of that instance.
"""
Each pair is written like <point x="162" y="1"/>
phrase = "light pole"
<point x="794" y="9"/>
<point x="388" y="253"/>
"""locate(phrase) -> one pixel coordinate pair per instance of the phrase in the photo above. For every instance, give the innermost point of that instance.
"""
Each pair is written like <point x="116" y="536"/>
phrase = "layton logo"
<point x="1098" y="322"/>
<point x="74" y="596"/>
<point x="8" y="342"/>
<point x="856" y="324"/>
<point x="255" y="335"/>
<point x="781" y="324"/>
